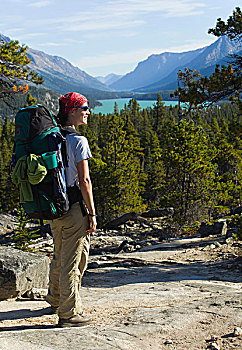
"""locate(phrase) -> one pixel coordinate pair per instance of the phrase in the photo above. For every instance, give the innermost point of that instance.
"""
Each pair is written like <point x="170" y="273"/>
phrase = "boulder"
<point x="21" y="271"/>
<point x="235" y="211"/>
<point x="8" y="222"/>
<point x="219" y="228"/>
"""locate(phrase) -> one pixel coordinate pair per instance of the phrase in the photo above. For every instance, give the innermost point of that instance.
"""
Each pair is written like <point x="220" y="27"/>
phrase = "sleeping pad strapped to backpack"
<point x="40" y="161"/>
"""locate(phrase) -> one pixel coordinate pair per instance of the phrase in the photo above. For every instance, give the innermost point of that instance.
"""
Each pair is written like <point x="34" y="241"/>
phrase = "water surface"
<point x="108" y="105"/>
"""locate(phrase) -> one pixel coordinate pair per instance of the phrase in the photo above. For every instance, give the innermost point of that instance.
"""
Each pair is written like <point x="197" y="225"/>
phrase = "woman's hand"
<point x="93" y="224"/>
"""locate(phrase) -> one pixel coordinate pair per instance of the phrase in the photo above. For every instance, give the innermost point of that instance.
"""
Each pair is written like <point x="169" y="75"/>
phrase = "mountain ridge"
<point x="203" y="58"/>
<point x="56" y="65"/>
<point x="155" y="64"/>
<point x="59" y="73"/>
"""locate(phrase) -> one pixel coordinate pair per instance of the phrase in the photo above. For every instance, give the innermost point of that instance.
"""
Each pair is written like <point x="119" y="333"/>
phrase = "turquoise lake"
<point x="108" y="105"/>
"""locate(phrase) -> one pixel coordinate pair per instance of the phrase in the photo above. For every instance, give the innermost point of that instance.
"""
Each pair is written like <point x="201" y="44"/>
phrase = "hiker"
<point x="71" y="232"/>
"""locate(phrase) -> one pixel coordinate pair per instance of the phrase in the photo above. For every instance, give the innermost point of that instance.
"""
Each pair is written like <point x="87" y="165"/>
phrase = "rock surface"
<point x="8" y="222"/>
<point x="175" y="297"/>
<point x="21" y="271"/>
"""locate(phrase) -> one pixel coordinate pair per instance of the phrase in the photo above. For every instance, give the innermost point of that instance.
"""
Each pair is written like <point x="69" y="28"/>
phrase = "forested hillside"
<point x="43" y="96"/>
<point x="149" y="158"/>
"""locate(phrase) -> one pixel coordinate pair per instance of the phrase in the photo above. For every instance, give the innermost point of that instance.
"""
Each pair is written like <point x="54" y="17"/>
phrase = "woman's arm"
<point x="86" y="190"/>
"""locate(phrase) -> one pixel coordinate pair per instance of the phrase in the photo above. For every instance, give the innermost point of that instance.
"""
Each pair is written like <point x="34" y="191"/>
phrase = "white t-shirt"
<point x="78" y="149"/>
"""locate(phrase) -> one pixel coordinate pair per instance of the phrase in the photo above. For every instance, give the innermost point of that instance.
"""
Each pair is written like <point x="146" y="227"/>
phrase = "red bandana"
<point x="72" y="100"/>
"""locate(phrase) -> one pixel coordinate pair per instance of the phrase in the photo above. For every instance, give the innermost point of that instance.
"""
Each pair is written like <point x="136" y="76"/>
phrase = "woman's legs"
<point x="70" y="263"/>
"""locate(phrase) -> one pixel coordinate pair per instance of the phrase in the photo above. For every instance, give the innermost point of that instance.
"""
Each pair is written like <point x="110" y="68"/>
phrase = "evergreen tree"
<point x="21" y="236"/>
<point x="152" y="164"/>
<point x="133" y="110"/>
<point x="159" y="113"/>
<point x="225" y="82"/>
<point x="229" y="165"/>
<point x="117" y="184"/>
<point x="189" y="180"/>
<point x="8" y="192"/>
<point x="14" y="71"/>
<point x="116" y="109"/>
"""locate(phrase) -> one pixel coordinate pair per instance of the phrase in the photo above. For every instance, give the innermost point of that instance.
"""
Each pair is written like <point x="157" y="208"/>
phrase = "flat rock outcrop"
<point x="177" y="295"/>
<point x="21" y="271"/>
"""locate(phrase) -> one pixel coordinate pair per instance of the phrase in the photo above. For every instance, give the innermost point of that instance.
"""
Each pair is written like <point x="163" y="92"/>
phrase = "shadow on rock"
<point x="23" y="313"/>
<point x="125" y="272"/>
<point x="28" y="327"/>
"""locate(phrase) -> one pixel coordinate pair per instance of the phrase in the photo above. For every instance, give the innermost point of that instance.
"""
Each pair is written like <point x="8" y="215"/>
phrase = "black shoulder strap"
<point x="69" y="130"/>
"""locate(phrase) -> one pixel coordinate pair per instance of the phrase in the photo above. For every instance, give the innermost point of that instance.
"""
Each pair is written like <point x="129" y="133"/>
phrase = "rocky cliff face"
<point x="153" y="68"/>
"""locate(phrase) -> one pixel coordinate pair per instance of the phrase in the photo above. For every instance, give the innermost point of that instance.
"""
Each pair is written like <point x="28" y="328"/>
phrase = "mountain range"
<point x="60" y="75"/>
<point x="156" y="73"/>
<point x="159" y="72"/>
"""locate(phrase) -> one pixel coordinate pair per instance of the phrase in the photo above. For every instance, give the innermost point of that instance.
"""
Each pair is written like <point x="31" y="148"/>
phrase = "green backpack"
<point x="39" y="160"/>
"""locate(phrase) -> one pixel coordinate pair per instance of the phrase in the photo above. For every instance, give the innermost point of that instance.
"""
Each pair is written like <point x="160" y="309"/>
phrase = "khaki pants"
<point x="71" y="249"/>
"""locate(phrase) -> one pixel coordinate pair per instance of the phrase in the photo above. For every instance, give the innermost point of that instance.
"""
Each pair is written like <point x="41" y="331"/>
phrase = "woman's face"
<point x="79" y="115"/>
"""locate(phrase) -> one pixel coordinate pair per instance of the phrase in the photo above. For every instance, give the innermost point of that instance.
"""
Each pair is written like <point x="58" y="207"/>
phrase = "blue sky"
<point x="111" y="36"/>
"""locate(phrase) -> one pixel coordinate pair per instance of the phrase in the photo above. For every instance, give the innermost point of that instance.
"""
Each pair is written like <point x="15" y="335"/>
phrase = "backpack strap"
<point x="65" y="130"/>
<point x="74" y="193"/>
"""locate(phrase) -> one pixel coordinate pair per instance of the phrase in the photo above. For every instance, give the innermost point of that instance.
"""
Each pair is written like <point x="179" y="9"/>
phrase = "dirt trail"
<point x="185" y="294"/>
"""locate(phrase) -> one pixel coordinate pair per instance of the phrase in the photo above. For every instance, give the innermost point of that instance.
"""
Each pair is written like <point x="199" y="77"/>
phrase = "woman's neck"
<point x="71" y="125"/>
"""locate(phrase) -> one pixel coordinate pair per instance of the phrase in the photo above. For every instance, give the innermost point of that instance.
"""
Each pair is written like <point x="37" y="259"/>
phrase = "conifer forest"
<point x="152" y="158"/>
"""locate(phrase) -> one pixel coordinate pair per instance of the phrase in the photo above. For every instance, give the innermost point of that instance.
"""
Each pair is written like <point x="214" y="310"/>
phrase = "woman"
<point x="71" y="232"/>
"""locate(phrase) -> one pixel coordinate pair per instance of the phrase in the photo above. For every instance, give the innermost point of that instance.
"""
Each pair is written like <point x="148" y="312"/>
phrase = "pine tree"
<point x="8" y="193"/>
<point x="189" y="180"/>
<point x="133" y="110"/>
<point x="116" y="109"/>
<point x="21" y="236"/>
<point x="152" y="164"/>
<point x="116" y="180"/>
<point x="224" y="82"/>
<point x="14" y="71"/>
<point x="228" y="173"/>
<point x="159" y="113"/>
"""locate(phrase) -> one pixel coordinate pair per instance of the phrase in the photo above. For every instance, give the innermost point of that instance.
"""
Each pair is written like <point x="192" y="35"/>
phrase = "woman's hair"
<point x="61" y="116"/>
